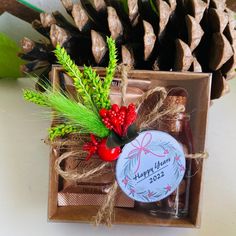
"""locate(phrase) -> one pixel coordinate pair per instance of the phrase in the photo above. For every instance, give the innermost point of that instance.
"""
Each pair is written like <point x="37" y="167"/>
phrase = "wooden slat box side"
<point x="198" y="85"/>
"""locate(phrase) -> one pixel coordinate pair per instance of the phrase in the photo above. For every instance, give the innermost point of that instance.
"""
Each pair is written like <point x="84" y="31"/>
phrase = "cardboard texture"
<point x="198" y="86"/>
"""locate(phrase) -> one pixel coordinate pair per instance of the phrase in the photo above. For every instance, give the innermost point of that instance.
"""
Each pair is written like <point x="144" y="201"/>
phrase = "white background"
<point x="24" y="165"/>
<point x="10" y="25"/>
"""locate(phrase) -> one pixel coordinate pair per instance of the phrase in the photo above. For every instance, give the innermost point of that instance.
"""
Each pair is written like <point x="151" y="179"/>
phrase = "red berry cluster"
<point x="119" y="118"/>
<point x="100" y="147"/>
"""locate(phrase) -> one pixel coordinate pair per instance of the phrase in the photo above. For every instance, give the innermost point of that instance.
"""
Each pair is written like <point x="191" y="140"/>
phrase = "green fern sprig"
<point x="61" y="130"/>
<point x="35" y="97"/>
<point x="73" y="71"/>
<point x="110" y="72"/>
<point x="94" y="84"/>
<point x="94" y="93"/>
<point x="90" y="88"/>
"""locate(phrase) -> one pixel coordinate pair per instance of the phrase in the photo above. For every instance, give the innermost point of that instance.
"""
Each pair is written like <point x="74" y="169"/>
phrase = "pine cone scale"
<point x="176" y="35"/>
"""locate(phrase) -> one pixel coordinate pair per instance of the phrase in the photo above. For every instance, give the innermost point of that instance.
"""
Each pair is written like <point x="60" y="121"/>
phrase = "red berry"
<point x="119" y="119"/>
<point x="131" y="108"/>
<point x="131" y="105"/>
<point x="123" y="109"/>
<point x="105" y="120"/>
<point x="103" y="112"/>
<point x="110" y="114"/>
<point x="115" y="108"/>
<point x="115" y="121"/>
<point x="106" y="153"/>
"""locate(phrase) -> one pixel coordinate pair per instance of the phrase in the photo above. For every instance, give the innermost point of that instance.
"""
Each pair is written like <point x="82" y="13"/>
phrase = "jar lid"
<point x="174" y="101"/>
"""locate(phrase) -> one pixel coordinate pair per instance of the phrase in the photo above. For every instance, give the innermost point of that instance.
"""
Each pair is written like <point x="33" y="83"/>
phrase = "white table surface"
<point x="24" y="173"/>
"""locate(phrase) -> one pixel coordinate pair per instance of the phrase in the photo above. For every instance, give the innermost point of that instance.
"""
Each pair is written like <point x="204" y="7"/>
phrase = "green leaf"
<point x="132" y="132"/>
<point x="9" y="62"/>
<point x="114" y="140"/>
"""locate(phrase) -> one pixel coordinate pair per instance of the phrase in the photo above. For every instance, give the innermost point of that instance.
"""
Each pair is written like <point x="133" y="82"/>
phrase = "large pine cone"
<point x="168" y="35"/>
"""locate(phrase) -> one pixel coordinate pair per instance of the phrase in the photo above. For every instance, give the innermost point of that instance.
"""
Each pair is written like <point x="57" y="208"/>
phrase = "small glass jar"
<point x="177" y="204"/>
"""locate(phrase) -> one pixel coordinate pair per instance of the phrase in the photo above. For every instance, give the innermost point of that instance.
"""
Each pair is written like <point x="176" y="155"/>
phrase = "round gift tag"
<point x="151" y="167"/>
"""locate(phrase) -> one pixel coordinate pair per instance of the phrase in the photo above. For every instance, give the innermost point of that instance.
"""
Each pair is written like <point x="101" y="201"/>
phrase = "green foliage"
<point x="114" y="140"/>
<point x="100" y="91"/>
<point x="79" y="115"/>
<point x="73" y="71"/>
<point x="61" y="130"/>
<point x="88" y="84"/>
<point x="9" y="62"/>
<point x="110" y="71"/>
<point x="82" y="119"/>
<point x="35" y="97"/>
<point x="94" y="93"/>
<point x="94" y="86"/>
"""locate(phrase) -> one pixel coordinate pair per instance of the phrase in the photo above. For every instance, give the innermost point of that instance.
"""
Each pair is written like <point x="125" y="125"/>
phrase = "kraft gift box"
<point x="68" y="205"/>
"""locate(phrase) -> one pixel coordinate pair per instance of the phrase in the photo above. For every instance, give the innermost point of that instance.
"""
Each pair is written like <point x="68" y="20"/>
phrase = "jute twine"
<point x="105" y="213"/>
<point x="124" y="70"/>
<point x="203" y="155"/>
<point x="145" y="121"/>
<point x="75" y="175"/>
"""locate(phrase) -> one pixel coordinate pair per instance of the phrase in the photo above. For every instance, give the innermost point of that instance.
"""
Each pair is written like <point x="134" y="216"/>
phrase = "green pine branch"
<point x="94" y="93"/>
<point x="35" y="97"/>
<point x="73" y="71"/>
<point x="110" y="72"/>
<point x="88" y="84"/>
<point x="94" y="85"/>
<point x="61" y="130"/>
